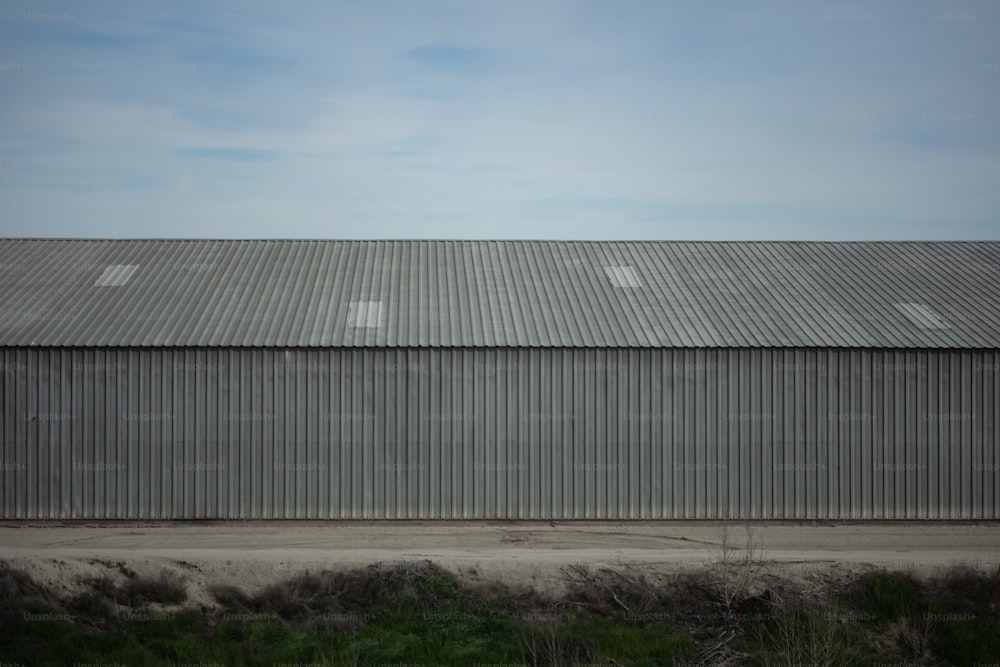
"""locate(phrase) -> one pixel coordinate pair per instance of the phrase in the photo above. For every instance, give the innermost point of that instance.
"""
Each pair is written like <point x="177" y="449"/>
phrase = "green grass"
<point x="395" y="636"/>
<point x="631" y="643"/>
<point x="956" y="617"/>
<point x="887" y="597"/>
<point x="424" y="615"/>
<point x="968" y="642"/>
<point x="436" y="623"/>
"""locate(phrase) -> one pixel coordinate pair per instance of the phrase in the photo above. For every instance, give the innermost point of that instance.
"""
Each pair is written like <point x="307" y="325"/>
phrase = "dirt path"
<point x="681" y="542"/>
<point x="917" y="543"/>
<point x="503" y="543"/>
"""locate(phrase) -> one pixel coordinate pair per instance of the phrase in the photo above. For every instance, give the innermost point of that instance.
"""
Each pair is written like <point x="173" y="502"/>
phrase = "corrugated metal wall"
<point x="518" y="433"/>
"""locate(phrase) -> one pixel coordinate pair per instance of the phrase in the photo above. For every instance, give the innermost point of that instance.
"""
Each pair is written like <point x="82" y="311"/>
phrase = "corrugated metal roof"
<point x="498" y="293"/>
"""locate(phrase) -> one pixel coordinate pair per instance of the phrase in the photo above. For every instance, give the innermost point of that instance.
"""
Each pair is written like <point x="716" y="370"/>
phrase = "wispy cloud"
<point x="569" y="119"/>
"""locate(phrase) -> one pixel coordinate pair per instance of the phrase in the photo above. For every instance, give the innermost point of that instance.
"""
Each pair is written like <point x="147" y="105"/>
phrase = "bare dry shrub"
<point x="167" y="588"/>
<point x="16" y="583"/>
<point x="371" y="589"/>
<point x="547" y="648"/>
<point x="489" y="596"/>
<point x="735" y="565"/>
<point x="229" y="596"/>
<point x="607" y="591"/>
<point x="915" y="635"/>
<point x="795" y="636"/>
<point x="969" y="584"/>
<point x="92" y="606"/>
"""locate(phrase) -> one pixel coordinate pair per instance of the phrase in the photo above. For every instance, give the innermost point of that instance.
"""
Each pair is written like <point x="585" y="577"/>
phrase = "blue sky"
<point x="555" y="119"/>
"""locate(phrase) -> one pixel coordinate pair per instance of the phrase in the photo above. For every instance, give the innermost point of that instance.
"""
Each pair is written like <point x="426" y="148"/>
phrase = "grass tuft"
<point x="168" y="588"/>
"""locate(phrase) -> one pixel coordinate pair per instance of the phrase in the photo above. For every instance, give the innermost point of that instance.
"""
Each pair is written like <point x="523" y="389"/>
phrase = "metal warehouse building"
<point x="499" y="379"/>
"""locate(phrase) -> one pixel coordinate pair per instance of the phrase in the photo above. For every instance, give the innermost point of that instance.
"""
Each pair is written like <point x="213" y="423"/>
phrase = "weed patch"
<point x="419" y="613"/>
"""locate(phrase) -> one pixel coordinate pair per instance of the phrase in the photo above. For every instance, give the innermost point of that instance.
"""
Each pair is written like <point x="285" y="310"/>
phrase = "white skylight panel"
<point x="116" y="275"/>
<point x="622" y="276"/>
<point x="364" y="314"/>
<point x="922" y="316"/>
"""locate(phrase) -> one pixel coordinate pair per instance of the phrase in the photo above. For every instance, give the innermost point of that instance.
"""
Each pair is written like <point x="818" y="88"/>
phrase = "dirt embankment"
<point x="252" y="555"/>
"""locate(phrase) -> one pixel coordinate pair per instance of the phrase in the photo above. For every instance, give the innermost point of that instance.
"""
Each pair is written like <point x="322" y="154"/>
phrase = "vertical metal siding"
<point x="504" y="433"/>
